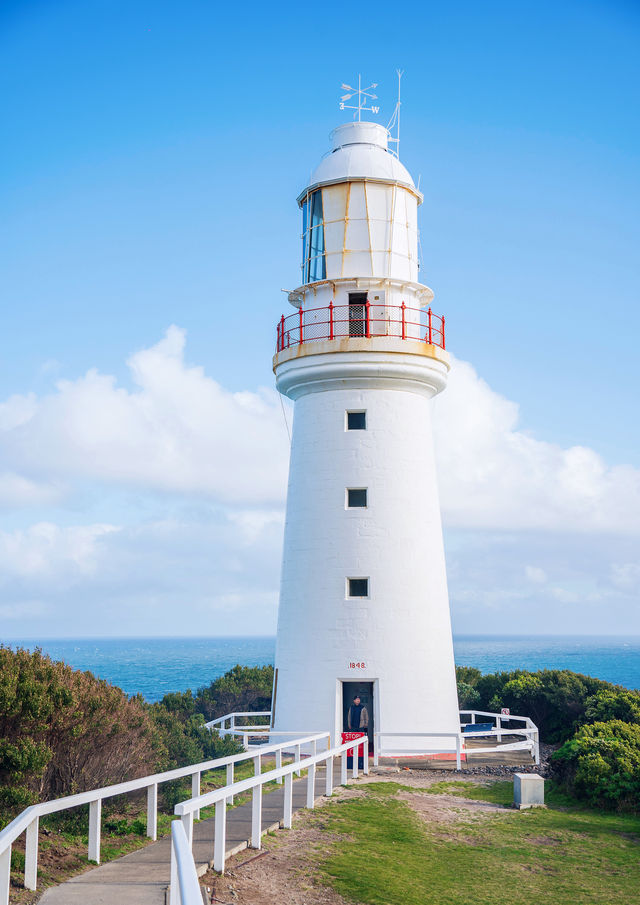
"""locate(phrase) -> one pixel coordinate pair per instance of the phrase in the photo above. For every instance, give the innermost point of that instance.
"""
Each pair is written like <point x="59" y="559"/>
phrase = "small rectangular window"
<point x="357" y="587"/>
<point x="356" y="421"/>
<point x="356" y="497"/>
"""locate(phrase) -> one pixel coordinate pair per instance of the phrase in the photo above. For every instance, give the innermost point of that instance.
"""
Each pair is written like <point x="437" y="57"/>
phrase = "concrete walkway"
<point x="142" y="877"/>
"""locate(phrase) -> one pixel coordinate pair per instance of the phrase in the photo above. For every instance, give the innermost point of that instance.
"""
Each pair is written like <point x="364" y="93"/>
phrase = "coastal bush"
<point x="601" y="765"/>
<point x="613" y="704"/>
<point x="555" y="699"/>
<point x="242" y="688"/>
<point x="185" y="739"/>
<point x="468" y="697"/>
<point x="64" y="731"/>
<point x="468" y="674"/>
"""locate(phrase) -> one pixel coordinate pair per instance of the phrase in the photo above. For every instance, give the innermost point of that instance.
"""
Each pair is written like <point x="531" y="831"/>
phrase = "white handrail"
<point x="457" y="747"/>
<point x="29" y="818"/>
<point x="530" y="731"/>
<point x="219" y="797"/>
<point x="232" y="716"/>
<point x="184" y="888"/>
<point x="504" y="716"/>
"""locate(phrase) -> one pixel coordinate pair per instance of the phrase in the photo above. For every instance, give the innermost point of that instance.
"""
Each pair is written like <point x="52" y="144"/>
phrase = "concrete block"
<point x="528" y="790"/>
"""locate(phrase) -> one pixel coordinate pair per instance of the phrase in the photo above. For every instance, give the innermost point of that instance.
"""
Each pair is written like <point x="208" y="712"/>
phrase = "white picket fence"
<point x="28" y="821"/>
<point x="187" y="810"/>
<point x="528" y="739"/>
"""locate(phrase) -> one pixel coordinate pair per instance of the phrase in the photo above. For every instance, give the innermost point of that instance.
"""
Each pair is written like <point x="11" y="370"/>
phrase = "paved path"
<point x="142" y="877"/>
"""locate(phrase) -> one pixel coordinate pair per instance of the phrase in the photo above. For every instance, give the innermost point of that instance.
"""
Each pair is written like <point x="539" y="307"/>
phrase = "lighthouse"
<point x="364" y="607"/>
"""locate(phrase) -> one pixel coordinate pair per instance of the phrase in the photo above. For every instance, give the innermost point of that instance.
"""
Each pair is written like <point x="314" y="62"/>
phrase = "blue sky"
<point x="151" y="157"/>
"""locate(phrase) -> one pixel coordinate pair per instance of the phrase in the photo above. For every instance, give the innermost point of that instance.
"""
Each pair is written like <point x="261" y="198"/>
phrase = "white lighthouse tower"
<point x="364" y="606"/>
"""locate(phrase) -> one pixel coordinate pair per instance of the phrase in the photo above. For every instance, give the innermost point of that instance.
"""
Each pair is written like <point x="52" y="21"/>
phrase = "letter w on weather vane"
<point x="364" y="94"/>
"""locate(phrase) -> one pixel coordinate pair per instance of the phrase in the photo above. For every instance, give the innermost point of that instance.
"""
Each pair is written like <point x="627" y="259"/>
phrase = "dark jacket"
<point x="357" y="714"/>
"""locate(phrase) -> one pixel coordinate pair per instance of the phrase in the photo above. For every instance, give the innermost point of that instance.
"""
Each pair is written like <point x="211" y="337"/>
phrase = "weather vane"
<point x="364" y="94"/>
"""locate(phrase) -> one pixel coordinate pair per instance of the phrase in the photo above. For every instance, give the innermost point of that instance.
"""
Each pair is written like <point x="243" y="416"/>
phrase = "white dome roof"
<point x="360" y="151"/>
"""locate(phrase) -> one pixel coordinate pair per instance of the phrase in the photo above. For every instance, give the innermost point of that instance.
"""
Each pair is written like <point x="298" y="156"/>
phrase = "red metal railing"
<point x="360" y="320"/>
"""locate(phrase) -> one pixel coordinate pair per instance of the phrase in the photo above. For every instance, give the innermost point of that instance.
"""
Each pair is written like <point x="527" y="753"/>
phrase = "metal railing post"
<point x="367" y="319"/>
<point x="256" y="816"/>
<point x="31" y="855"/>
<point x="288" y="801"/>
<point x="429" y="334"/>
<point x="95" y="815"/>
<point x="220" y="835"/>
<point x="404" y="331"/>
<point x="331" y="319"/>
<point x="301" y="327"/>
<point x="152" y="811"/>
<point x="442" y="319"/>
<point x="282" y="333"/>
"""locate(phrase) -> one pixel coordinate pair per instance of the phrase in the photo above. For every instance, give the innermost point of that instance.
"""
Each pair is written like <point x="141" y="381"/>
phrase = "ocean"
<point x="154" y="666"/>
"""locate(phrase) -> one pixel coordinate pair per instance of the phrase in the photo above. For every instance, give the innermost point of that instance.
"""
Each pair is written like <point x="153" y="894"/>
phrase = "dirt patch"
<point x="287" y="874"/>
<point x="545" y="840"/>
<point x="449" y="808"/>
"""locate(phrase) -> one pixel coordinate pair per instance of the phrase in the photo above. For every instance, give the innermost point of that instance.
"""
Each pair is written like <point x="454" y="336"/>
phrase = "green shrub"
<point x="613" y="704"/>
<point x="242" y="688"/>
<point x="468" y="697"/>
<point x="186" y="740"/>
<point x="64" y="731"/>
<point x="601" y="765"/>
<point x="555" y="699"/>
<point x="468" y="674"/>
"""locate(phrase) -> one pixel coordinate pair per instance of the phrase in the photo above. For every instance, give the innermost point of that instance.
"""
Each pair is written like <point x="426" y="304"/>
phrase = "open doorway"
<point x="364" y="690"/>
<point x="357" y="313"/>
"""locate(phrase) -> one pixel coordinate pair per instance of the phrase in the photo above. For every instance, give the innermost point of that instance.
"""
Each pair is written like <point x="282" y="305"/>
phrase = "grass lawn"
<point x="561" y="855"/>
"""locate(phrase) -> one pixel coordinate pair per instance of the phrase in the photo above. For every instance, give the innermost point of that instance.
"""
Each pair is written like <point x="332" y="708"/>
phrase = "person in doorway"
<point x="357" y="717"/>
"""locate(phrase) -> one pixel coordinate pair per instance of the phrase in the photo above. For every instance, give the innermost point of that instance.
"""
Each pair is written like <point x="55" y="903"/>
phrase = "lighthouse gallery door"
<point x="365" y="692"/>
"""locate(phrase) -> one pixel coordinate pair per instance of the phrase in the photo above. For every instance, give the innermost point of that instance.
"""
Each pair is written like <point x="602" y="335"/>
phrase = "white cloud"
<point x="46" y="551"/>
<point x="626" y="575"/>
<point x="494" y="476"/>
<point x="16" y="491"/>
<point x="539" y="538"/>
<point x="535" y="574"/>
<point x="199" y="573"/>
<point x="17" y="410"/>
<point x="178" y="431"/>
